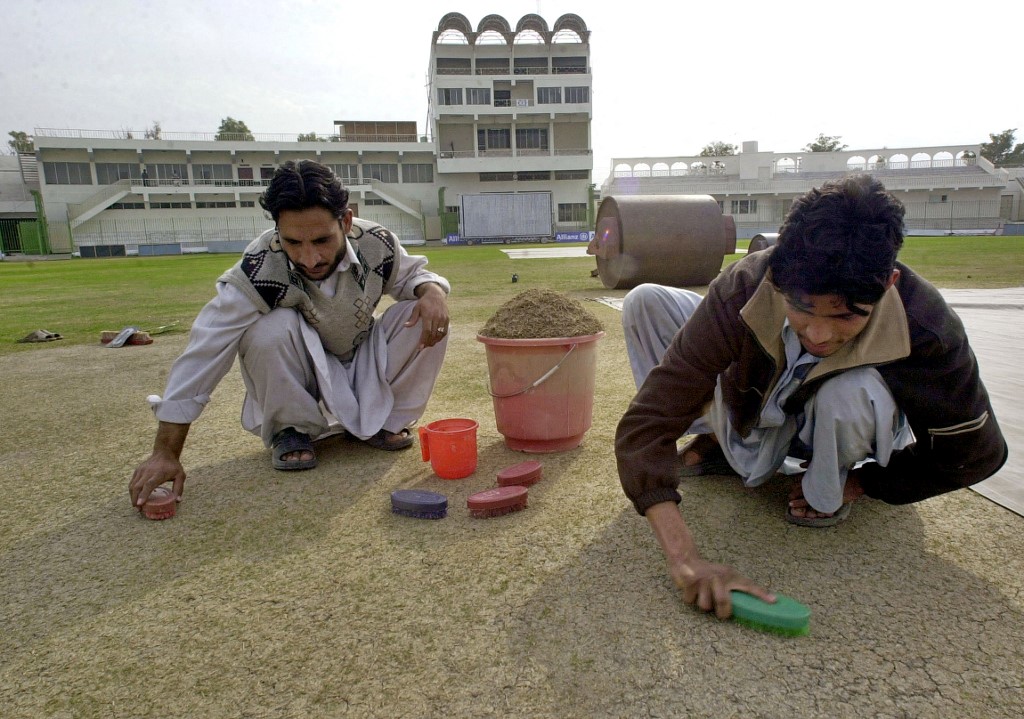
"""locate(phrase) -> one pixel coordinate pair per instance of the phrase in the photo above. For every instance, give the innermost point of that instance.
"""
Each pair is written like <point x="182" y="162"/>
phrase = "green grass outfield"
<point x="79" y="298"/>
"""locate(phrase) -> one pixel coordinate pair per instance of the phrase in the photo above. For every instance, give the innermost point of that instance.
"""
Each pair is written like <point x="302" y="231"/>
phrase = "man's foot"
<point x="391" y="441"/>
<point x="800" y="512"/>
<point x="702" y="455"/>
<point x="292" y="450"/>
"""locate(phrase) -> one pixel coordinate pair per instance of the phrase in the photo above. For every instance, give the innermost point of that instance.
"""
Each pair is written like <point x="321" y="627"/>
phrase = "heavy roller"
<point x="676" y="240"/>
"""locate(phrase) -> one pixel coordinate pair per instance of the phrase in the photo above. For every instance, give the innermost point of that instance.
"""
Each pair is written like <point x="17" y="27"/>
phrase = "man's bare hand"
<point x="702" y="583"/>
<point x="708" y="585"/>
<point x="432" y="310"/>
<point x="156" y="470"/>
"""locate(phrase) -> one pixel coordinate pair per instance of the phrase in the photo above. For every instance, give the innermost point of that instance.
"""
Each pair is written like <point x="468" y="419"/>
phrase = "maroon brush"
<point x="162" y="504"/>
<point x="496" y="502"/>
<point x="524" y="474"/>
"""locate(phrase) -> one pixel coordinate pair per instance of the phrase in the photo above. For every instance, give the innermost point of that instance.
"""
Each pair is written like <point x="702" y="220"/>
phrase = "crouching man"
<point x="821" y="357"/>
<point x="298" y="312"/>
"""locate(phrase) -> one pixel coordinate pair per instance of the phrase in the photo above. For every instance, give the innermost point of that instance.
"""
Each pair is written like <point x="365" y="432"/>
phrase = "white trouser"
<point x="291" y="381"/>
<point x="852" y="417"/>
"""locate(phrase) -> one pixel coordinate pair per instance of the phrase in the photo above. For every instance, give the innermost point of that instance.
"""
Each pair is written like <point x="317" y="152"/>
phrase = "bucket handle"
<point x="538" y="381"/>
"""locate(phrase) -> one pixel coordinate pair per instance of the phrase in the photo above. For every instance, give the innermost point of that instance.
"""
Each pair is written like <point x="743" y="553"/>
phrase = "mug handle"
<point x="424" y="444"/>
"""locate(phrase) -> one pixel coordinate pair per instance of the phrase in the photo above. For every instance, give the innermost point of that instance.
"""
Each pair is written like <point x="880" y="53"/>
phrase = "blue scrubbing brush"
<point x="787" y="616"/>
<point x="419" y="504"/>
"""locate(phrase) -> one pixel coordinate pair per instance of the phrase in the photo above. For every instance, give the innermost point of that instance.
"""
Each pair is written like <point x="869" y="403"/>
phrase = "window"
<point x="532" y="139"/>
<point x="937" y="199"/>
<point x="417" y="173"/>
<point x="246" y="203"/>
<point x="128" y="206"/>
<point x="210" y="205"/>
<point x="67" y="173"/>
<point x="500" y="139"/>
<point x="376" y="202"/>
<point x="503" y="98"/>
<point x="170" y="205"/>
<point x="577" y="94"/>
<point x="572" y="211"/>
<point x="174" y="174"/>
<point x="549" y="95"/>
<point x="108" y="173"/>
<point x="534" y="176"/>
<point x="744" y="207"/>
<point x="381" y="172"/>
<point x="478" y="96"/>
<point x="572" y="174"/>
<point x="452" y="209"/>
<point x="449" y="95"/>
<point x="348" y="174"/>
<point x="569" y="65"/>
<point x="495" y="177"/>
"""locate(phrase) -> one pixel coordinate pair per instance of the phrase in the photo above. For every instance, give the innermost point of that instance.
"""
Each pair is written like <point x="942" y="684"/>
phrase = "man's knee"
<point x="639" y="301"/>
<point x="271" y="331"/>
<point x="852" y="395"/>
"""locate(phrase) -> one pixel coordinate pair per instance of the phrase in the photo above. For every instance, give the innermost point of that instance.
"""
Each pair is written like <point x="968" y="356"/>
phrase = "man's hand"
<point x="708" y="585"/>
<point x="163" y="465"/>
<point x="432" y="310"/>
<point x="156" y="470"/>
<point x="702" y="583"/>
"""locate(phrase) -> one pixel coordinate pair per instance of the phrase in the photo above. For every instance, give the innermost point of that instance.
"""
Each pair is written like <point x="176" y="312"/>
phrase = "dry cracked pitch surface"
<point x="299" y="595"/>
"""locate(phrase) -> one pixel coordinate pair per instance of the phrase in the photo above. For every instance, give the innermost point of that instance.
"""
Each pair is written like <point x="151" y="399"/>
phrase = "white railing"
<point x="125" y="134"/>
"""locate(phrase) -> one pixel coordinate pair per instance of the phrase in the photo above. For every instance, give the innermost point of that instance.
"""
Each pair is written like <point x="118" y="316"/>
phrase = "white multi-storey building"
<point x="509" y="112"/>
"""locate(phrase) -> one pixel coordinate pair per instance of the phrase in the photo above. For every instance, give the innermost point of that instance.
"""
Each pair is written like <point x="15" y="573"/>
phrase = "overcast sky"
<point x="668" y="77"/>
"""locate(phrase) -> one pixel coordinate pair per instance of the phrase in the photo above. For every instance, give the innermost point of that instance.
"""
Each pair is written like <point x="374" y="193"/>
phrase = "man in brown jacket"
<point x="822" y="357"/>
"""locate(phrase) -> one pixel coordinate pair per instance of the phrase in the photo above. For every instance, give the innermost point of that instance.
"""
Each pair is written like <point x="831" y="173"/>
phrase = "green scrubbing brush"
<point x="787" y="616"/>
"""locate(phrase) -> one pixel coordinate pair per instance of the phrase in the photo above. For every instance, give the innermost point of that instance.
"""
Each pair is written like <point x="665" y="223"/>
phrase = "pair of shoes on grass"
<point x="289" y="441"/>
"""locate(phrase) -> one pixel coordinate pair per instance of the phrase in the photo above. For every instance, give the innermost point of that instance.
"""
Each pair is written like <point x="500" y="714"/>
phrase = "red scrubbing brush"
<point x="496" y="502"/>
<point x="524" y="474"/>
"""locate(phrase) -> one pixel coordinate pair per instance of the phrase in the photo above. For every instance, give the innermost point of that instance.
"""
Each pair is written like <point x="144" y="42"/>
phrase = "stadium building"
<point x="509" y="114"/>
<point x="946" y="190"/>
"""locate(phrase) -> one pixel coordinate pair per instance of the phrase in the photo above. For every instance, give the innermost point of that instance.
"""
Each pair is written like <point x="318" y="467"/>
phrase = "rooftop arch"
<point x="532" y="22"/>
<point x="495" y="23"/>
<point x="573" y="23"/>
<point x="455" y="21"/>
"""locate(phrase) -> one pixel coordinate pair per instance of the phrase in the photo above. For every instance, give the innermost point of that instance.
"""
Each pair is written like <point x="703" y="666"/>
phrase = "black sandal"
<point x="290" y="440"/>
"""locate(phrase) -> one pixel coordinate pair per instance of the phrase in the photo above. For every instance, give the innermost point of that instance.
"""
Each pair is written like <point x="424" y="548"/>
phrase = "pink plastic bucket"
<point x="543" y="390"/>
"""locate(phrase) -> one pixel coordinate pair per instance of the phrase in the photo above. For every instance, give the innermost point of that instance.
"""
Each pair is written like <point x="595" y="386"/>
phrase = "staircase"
<point x="80" y="212"/>
<point x="387" y="192"/>
<point x="29" y="169"/>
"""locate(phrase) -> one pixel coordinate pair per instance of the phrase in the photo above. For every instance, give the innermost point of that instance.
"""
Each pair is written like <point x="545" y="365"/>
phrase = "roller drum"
<point x="676" y="240"/>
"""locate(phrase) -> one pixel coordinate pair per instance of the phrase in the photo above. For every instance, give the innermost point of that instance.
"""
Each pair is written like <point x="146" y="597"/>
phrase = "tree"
<point x="1001" y="151"/>
<point x="718" y="149"/>
<point x="310" y="137"/>
<point x="232" y="129"/>
<point x="21" y="142"/>
<point x="826" y="143"/>
<point x="153" y="133"/>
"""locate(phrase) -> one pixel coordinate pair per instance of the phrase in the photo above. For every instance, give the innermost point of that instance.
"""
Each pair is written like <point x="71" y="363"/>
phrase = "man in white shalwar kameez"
<point x="298" y="312"/>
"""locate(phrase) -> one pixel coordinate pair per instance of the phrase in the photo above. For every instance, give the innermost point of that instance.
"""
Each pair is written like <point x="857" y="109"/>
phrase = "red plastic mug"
<point x="450" y="447"/>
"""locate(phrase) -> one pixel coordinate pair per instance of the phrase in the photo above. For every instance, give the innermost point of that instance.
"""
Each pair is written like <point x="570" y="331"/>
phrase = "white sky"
<point x="668" y="77"/>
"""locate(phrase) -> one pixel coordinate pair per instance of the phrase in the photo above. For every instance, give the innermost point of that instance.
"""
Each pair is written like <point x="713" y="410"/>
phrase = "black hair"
<point x="304" y="184"/>
<point x="840" y="239"/>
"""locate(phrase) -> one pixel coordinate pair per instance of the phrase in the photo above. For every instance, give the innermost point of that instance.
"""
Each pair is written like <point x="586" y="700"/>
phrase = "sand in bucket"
<point x="542" y="358"/>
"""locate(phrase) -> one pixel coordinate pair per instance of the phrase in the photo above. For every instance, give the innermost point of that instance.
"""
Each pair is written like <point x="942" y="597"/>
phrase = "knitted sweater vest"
<point x="343" y="322"/>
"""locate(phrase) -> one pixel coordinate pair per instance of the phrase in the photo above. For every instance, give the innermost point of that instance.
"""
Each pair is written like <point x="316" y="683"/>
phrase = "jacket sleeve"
<point x="672" y="397"/>
<point x="957" y="438"/>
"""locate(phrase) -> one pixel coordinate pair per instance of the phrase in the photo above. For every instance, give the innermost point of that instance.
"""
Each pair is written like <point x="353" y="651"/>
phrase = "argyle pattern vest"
<point x="343" y="321"/>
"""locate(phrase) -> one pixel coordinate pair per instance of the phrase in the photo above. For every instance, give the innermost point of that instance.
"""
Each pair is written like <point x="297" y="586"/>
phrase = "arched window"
<point x="660" y="169"/>
<point x="642" y="170"/>
<point x="943" y="159"/>
<point x="899" y="161"/>
<point x="921" y="159"/>
<point x="622" y="170"/>
<point x="856" y="163"/>
<point x="679" y="168"/>
<point x="785" y="164"/>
